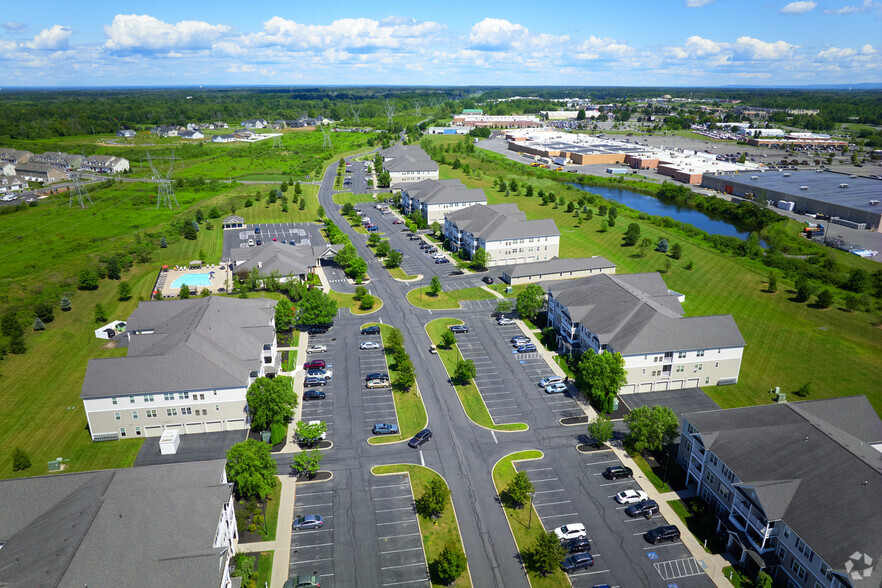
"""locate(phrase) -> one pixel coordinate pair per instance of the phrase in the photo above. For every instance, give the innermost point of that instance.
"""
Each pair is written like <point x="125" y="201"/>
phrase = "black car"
<point x="373" y="330"/>
<point x="317" y="330"/>
<point x="457" y="272"/>
<point x="577" y="561"/>
<point x="313" y="381"/>
<point x="420" y="438"/>
<point x="577" y="545"/>
<point x="441" y="261"/>
<point x="644" y="508"/>
<point x="663" y="533"/>
<point x="459" y="328"/>
<point x="376" y="376"/>
<point x="259" y="242"/>
<point x="617" y="472"/>
<point x="487" y="280"/>
<point x="313" y="395"/>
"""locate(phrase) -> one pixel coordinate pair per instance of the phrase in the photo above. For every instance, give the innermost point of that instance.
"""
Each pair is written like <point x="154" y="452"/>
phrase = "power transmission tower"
<point x="326" y="136"/>
<point x="78" y="191"/>
<point x="277" y="142"/>
<point x="355" y="112"/>
<point x="390" y="112"/>
<point x="165" y="191"/>
<point x="417" y="106"/>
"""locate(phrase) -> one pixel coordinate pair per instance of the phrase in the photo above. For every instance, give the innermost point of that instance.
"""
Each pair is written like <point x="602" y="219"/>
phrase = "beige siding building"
<point x="434" y="199"/>
<point x="556" y="269"/>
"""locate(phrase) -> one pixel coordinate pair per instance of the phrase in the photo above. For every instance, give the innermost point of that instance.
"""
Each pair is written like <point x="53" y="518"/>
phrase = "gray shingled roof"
<point x="443" y="192"/>
<point x="275" y="256"/>
<point x="150" y="526"/>
<point x="556" y="265"/>
<point x="501" y="221"/>
<point x="635" y="313"/>
<point x="820" y="479"/>
<point x="199" y="343"/>
<point x="410" y="163"/>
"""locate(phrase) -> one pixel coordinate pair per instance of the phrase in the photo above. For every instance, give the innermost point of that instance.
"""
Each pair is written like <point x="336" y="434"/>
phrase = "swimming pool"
<point x="193" y="280"/>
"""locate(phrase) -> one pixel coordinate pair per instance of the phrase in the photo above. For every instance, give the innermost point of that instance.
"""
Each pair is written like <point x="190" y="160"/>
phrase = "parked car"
<point x="314" y="364"/>
<point x="617" y="472"/>
<point x="526" y="348"/>
<point x="644" y="508"/>
<point x="398" y="221"/>
<point x="325" y="374"/>
<point x="256" y="230"/>
<point x="503" y="321"/>
<point x="384" y="429"/>
<point x="557" y="388"/>
<point x="259" y="242"/>
<point x="377" y="384"/>
<point x="316" y="348"/>
<point x="577" y="561"/>
<point x="549" y="380"/>
<point x="433" y="349"/>
<point x="369" y="345"/>
<point x="519" y="340"/>
<point x="457" y="272"/>
<point x="373" y="229"/>
<point x="487" y="280"/>
<point x="313" y="395"/>
<point x="318" y="330"/>
<point x="663" y="533"/>
<point x="577" y="545"/>
<point x="631" y="496"/>
<point x="420" y="438"/>
<point x="251" y="242"/>
<point x="570" y="531"/>
<point x="376" y="376"/>
<point x="311" y="581"/>
<point x="314" y="381"/>
<point x="442" y="261"/>
<point x="372" y="330"/>
<point x="308" y="522"/>
<point x="459" y="329"/>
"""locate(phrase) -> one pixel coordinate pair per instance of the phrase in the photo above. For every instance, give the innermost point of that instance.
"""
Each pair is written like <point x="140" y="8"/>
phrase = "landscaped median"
<point x="354" y="304"/>
<point x="469" y="396"/>
<point x="398" y="274"/>
<point x="437" y="533"/>
<point x="423" y="298"/>
<point x="409" y="407"/>
<point x="524" y="527"/>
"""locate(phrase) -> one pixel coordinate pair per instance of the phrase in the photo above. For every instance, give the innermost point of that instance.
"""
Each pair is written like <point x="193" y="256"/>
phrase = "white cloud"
<point x="245" y="68"/>
<point x="496" y="34"/>
<point x="750" y="48"/>
<point x="595" y="48"/>
<point x="14" y="27"/>
<point x="868" y="50"/>
<point x="698" y="3"/>
<point x="52" y="39"/>
<point x="134" y="32"/>
<point x="836" y="53"/>
<point x="800" y="7"/>
<point x="867" y="5"/>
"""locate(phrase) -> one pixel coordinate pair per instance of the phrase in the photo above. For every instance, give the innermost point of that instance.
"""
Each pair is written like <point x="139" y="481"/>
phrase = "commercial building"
<point x="407" y="164"/>
<point x="447" y="131"/>
<point x="434" y="199"/>
<point x="188" y="367"/>
<point x="106" y="164"/>
<point x="40" y="172"/>
<point x="854" y="200"/>
<point x="566" y="114"/>
<point x="811" y="140"/>
<point x="162" y="525"/>
<point x="503" y="231"/>
<point x="637" y="316"/>
<point x="556" y="269"/>
<point x="795" y="487"/>
<point x="497" y="122"/>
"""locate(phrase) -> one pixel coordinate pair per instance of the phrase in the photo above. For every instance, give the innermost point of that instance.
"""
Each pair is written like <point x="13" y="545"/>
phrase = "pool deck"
<point x="220" y="276"/>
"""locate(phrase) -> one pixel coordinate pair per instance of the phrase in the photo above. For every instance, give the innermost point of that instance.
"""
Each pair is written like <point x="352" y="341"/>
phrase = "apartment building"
<point x="40" y="172"/>
<point x="637" y="316"/>
<point x="408" y="164"/>
<point x="434" y="199"/>
<point x="106" y="164"/>
<point x="795" y="487"/>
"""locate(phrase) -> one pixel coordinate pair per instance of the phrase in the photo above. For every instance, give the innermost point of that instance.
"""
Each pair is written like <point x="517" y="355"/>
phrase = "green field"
<point x="342" y="198"/>
<point x="436" y="533"/>
<point x="469" y="396"/>
<point x="422" y="298"/>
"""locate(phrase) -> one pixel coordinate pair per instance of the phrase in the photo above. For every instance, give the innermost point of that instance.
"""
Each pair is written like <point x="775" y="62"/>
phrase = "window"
<point x="804" y="549"/>
<point x="786" y="532"/>
<point x="151" y="414"/>
<point x="699" y="353"/>
<point x="116" y="416"/>
<point x="202" y="397"/>
<point x="698" y="367"/>
<point x="710" y="478"/>
<point x="781" y="553"/>
<point x="689" y="447"/>
<point x="724" y="492"/>
<point x="797" y="567"/>
<point x="135" y="415"/>
<point x="707" y="380"/>
<point x="131" y="400"/>
<point x="680" y="368"/>
<point x="204" y="412"/>
<point x="825" y="571"/>
<point x="169" y="396"/>
<point x="137" y="430"/>
<point x="113" y="400"/>
<point x="148" y="398"/>
<point x="217" y="407"/>
<point x="717" y="364"/>
<point x="713" y="459"/>
<point x="171" y="412"/>
<point x="681" y="355"/>
<point x="183" y="395"/>
<point x="122" y="431"/>
<point x="186" y="410"/>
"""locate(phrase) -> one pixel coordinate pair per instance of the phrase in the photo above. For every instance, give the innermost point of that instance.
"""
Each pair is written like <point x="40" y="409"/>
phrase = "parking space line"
<point x="544" y="480"/>
<point x="601" y="462"/>
<point x="569" y="514"/>
<point x="397" y="522"/>
<point x="394" y="509"/>
<point x="315" y="505"/>
<point x="299" y="494"/>
<point x="588" y="573"/>
<point x="303" y="561"/>
<point x="310" y="546"/>
<point x="401" y="550"/>
<point x="421" y="580"/>
<point x="547" y="491"/>
<point x="391" y="497"/>
<point x="419" y="563"/>
<point x="397" y="536"/>
<point x="553" y="503"/>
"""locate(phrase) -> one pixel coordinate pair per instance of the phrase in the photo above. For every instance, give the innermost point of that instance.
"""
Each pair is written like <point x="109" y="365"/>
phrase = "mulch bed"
<point x="590" y="447"/>
<point x="575" y="420"/>
<point x="320" y="476"/>
<point x="274" y="448"/>
<point x="245" y="536"/>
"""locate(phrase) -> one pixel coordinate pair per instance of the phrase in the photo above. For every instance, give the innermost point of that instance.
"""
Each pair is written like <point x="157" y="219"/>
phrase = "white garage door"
<point x="234" y="424"/>
<point x="179" y="428"/>
<point x="646" y="387"/>
<point x="155" y="431"/>
<point x="214" y="426"/>
<point x="692" y="383"/>
<point x="627" y="389"/>
<point x="677" y="385"/>
<point x="661" y="386"/>
<point x="194" y="427"/>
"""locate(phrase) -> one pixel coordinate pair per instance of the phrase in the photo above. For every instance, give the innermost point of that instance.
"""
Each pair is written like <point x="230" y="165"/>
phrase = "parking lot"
<point x="312" y="550"/>
<point x="293" y="233"/>
<point x="497" y="395"/>
<point x="377" y="403"/>
<point x="402" y="561"/>
<point x="322" y="410"/>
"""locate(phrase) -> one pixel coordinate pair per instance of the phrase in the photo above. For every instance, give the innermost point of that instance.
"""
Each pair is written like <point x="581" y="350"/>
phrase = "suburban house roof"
<point x="102" y="159"/>
<point x="233" y="219"/>
<point x="199" y="343"/>
<point x="636" y="313"/>
<point x="40" y="168"/>
<point x="556" y="265"/>
<point x="282" y="258"/>
<point x="809" y="464"/>
<point x="153" y="525"/>
<point x="496" y="222"/>
<point x="14" y="155"/>
<point x="435" y="192"/>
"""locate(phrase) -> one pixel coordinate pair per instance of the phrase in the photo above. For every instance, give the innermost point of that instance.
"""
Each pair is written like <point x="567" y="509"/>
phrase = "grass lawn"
<point x="561" y="362"/>
<point x="653" y="478"/>
<point x="349" y="301"/>
<point x="422" y="298"/>
<point x="738" y="579"/>
<point x="693" y="522"/>
<point x="436" y="533"/>
<point x="342" y="198"/>
<point x="264" y="568"/>
<point x="409" y="408"/>
<point x="515" y="290"/>
<point x="272" y="513"/>
<point x="525" y="529"/>
<point x="469" y="396"/>
<point x="397" y="272"/>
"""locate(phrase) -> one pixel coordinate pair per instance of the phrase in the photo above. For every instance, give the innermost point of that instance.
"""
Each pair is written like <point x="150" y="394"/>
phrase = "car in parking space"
<point x="487" y="280"/>
<point x="318" y="329"/>
<point x="274" y="239"/>
<point x="577" y="561"/>
<point x="372" y="330"/>
<point x="325" y="374"/>
<point x="662" y="533"/>
<point x="384" y="429"/>
<point x="259" y="242"/>
<point x="526" y="348"/>
<point x="398" y="221"/>
<point x="314" y="364"/>
<point x="376" y="376"/>
<point x="420" y="438"/>
<point x="549" y="380"/>
<point x="617" y="472"/>
<point x="347" y="183"/>
<point x="369" y="345"/>
<point x="459" y="329"/>
<point x="442" y="261"/>
<point x="308" y="522"/>
<point x="504" y="321"/>
<point x="631" y="496"/>
<point x="373" y="229"/>
<point x="457" y="272"/>
<point x="256" y="230"/>
<point x="376" y="384"/>
<point x="556" y="388"/>
<point x="314" y="381"/>
<point x="519" y="340"/>
<point x="316" y="348"/>
<point x="251" y="242"/>
<point x="438" y="256"/>
<point x="577" y="545"/>
<point x="644" y="508"/>
<point x="313" y="395"/>
<point x="311" y="581"/>
<point x="570" y="531"/>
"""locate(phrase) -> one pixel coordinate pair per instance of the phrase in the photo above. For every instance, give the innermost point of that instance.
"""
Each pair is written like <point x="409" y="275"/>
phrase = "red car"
<point x="398" y="221"/>
<point x="314" y="364"/>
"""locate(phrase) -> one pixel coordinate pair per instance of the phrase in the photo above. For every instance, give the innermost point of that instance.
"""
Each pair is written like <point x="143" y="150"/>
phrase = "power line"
<point x="326" y="136"/>
<point x="165" y="192"/>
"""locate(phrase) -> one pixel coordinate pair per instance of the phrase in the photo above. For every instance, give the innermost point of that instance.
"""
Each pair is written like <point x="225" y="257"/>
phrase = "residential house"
<point x="254" y="123"/>
<point x="233" y="222"/>
<point x="40" y="172"/>
<point x="408" y="163"/>
<point x="63" y="161"/>
<point x="14" y="156"/>
<point x="106" y="164"/>
<point x="218" y="125"/>
<point x="9" y="184"/>
<point x="165" y="131"/>
<point x="795" y="487"/>
<point x="6" y="169"/>
<point x="555" y="269"/>
<point x="125" y="133"/>
<point x="230" y="138"/>
<point x="188" y="367"/>
<point x="637" y="316"/>
<point x="286" y="260"/>
<point x="160" y="525"/>
<point x="244" y="135"/>
<point x="191" y="135"/>
<point x="435" y="198"/>
<point x="503" y="231"/>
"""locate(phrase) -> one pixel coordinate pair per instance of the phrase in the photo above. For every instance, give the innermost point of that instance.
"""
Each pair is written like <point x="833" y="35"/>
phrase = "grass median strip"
<point x="409" y="406"/>
<point x="349" y="301"/>
<point x="436" y="533"/>
<point x="399" y="274"/>
<point x="422" y="298"/>
<point x="469" y="396"/>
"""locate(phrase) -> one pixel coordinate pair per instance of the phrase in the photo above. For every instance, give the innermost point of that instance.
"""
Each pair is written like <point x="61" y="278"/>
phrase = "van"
<point x="251" y="242"/>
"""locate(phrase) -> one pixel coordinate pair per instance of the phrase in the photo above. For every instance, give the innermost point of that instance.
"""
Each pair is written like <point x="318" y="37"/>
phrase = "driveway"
<point x="194" y="447"/>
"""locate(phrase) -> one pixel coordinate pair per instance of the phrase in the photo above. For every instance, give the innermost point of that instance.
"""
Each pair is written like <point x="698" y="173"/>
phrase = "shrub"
<point x="20" y="460"/>
<point x="65" y="304"/>
<point x="367" y="302"/>
<point x="100" y="313"/>
<point x="38" y="325"/>
<point x="88" y="280"/>
<point x="278" y="433"/>
<point x="17" y="344"/>
<point x="44" y="312"/>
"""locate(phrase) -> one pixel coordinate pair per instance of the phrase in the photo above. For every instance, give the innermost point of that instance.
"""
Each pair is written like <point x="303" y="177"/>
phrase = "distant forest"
<point x="43" y="114"/>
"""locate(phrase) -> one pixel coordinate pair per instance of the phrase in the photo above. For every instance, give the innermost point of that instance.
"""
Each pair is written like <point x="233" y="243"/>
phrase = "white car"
<point x="570" y="531"/>
<point x="631" y="496"/>
<point x="438" y="256"/>
<point x="557" y="388"/>
<point x="505" y="321"/>
<point x="369" y="345"/>
<point x="546" y="382"/>
<point x="317" y="349"/>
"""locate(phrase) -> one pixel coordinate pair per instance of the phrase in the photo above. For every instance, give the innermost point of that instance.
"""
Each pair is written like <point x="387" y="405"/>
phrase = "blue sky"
<point x="670" y="43"/>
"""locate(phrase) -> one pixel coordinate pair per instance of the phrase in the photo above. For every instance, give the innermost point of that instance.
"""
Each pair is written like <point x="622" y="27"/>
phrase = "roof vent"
<point x="803" y="187"/>
<point x="843" y="185"/>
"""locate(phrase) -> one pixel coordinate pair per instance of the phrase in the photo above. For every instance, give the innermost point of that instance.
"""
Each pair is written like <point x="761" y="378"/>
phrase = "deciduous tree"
<point x="451" y="563"/>
<point x="547" y="553"/>
<point x="435" y="286"/>
<point x="519" y="489"/>
<point x="271" y="400"/>
<point x="529" y="301"/>
<point x="600" y="429"/>
<point x="432" y="502"/>
<point x="252" y="469"/>
<point x="600" y="376"/>
<point x="650" y="428"/>
<point x="316" y="308"/>
<point x="464" y="371"/>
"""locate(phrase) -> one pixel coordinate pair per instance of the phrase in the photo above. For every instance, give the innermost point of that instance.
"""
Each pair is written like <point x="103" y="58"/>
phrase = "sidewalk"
<point x="281" y="547"/>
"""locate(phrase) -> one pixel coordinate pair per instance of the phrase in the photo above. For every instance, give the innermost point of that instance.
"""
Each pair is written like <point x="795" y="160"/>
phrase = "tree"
<point x="346" y="256"/>
<point x="20" y="460"/>
<point x="214" y="212"/>
<point x="824" y="298"/>
<point x="435" y="286"/>
<point x="773" y="284"/>
<point x="17" y="344"/>
<point x="436" y="227"/>
<point x="383" y="248"/>
<point x="464" y="371"/>
<point x="529" y="301"/>
<point x="852" y="302"/>
<point x="270" y="400"/>
<point x="632" y="235"/>
<point x="662" y="246"/>
<point x="307" y="462"/>
<point x="604" y="226"/>
<point x="252" y="469"/>
<point x="503" y="307"/>
<point x="856" y="281"/>
<point x="316" y="308"/>
<point x="451" y="563"/>
<point x="384" y="179"/>
<point x="600" y="429"/>
<point x="394" y="259"/>
<point x="45" y="312"/>
<point x="804" y="290"/>
<point x="518" y="490"/>
<point x="547" y="553"/>
<point x="373" y="240"/>
<point x="357" y="269"/>
<point x="321" y="212"/>
<point x="481" y="258"/>
<point x="284" y="316"/>
<point x="763" y="580"/>
<point x="124" y="291"/>
<point x="394" y="339"/>
<point x="367" y="302"/>
<point x="309" y="434"/>
<point x="9" y="324"/>
<point x="65" y="304"/>
<point x="405" y="377"/>
<point x="88" y="280"/>
<point x="677" y="251"/>
<point x="432" y="502"/>
<point x="297" y="189"/>
<point x="113" y="269"/>
<point x="100" y="313"/>
<point x="38" y="324"/>
<point x="163" y="243"/>
<point x="189" y="231"/>
<point x="244" y="566"/>
<point x="600" y="376"/>
<point x="448" y="339"/>
<point x="360" y="292"/>
<point x="650" y="428"/>
<point x="613" y="215"/>
<point x="184" y="291"/>
<point x="581" y="114"/>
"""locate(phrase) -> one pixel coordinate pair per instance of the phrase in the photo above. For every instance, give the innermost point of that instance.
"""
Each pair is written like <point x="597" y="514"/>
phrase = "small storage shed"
<point x="169" y="442"/>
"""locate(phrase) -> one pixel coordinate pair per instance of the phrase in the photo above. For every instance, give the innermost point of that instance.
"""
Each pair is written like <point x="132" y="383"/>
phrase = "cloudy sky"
<point x="674" y="43"/>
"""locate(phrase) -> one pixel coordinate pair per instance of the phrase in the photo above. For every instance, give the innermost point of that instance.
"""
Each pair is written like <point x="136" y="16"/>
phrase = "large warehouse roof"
<point x="823" y="186"/>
